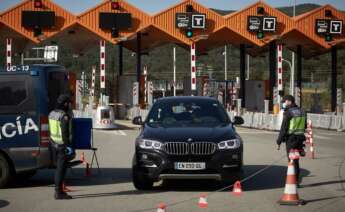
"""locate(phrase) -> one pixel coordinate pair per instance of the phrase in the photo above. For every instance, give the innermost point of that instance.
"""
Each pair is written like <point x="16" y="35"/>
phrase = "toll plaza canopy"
<point x="162" y="28"/>
<point x="255" y="29"/>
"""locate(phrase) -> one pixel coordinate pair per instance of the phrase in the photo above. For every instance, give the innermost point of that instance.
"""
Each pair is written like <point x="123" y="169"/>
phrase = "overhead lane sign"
<point x="190" y="20"/>
<point x="261" y="24"/>
<point x="328" y="28"/>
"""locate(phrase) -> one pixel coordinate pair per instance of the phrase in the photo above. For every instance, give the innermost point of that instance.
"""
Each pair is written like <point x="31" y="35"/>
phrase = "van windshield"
<point x="57" y="85"/>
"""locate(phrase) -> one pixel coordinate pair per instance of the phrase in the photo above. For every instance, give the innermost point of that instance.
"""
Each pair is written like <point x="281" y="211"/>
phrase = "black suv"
<point x="186" y="138"/>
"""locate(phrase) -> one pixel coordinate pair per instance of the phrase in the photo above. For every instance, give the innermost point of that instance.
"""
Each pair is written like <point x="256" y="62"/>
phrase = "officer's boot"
<point x="62" y="195"/>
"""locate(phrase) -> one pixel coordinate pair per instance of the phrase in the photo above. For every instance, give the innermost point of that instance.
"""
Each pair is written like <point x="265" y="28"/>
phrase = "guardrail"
<point x="273" y="122"/>
<point x="253" y="119"/>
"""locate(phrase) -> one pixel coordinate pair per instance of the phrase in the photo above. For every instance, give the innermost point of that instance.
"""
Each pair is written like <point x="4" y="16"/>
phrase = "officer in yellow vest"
<point x="292" y="130"/>
<point x="61" y="138"/>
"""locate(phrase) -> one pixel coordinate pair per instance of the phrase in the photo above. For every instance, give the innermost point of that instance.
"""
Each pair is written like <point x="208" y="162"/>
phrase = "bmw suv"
<point x="186" y="138"/>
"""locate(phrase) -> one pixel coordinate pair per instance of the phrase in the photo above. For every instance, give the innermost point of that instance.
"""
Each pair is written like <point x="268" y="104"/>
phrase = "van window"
<point x="57" y="85"/>
<point x="16" y="94"/>
<point x="12" y="93"/>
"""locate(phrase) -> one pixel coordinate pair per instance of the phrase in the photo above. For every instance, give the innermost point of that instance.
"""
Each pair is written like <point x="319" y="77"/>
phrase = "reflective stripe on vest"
<point x="297" y="122"/>
<point x="55" y="126"/>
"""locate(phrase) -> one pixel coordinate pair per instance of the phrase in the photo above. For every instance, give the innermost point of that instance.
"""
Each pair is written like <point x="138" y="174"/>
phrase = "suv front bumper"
<point x="158" y="165"/>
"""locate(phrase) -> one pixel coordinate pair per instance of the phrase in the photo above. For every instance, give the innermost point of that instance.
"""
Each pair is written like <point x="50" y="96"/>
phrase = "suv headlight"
<point x="229" y="144"/>
<point x="149" y="144"/>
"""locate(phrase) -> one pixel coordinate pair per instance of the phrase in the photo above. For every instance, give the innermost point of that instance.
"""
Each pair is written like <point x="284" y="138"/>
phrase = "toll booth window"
<point x="12" y="93"/>
<point x="57" y="85"/>
<point x="105" y="114"/>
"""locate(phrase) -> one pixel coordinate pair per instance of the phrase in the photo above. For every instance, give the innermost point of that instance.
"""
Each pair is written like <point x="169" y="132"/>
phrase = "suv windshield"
<point x="185" y="113"/>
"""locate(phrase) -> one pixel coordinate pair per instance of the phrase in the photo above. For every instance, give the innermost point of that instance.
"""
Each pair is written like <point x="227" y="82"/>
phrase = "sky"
<point x="154" y="6"/>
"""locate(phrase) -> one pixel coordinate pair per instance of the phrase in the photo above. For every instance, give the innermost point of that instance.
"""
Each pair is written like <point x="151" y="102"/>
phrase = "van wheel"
<point x="5" y="171"/>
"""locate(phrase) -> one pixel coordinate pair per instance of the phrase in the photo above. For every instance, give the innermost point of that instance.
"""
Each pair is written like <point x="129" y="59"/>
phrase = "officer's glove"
<point x="69" y="151"/>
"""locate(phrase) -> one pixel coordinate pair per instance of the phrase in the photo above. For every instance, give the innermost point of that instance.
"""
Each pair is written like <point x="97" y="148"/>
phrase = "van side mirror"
<point x="137" y="120"/>
<point x="238" y="120"/>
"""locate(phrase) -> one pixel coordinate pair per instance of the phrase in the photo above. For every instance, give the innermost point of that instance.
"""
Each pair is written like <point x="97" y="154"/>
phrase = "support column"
<point x="139" y="62"/>
<point x="299" y="76"/>
<point x="120" y="58"/>
<point x="272" y="71"/>
<point x="242" y="93"/>
<point x="334" y="79"/>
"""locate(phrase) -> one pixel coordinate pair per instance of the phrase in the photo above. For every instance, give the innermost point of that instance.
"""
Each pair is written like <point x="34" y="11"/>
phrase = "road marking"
<point x="116" y="132"/>
<point x="321" y="137"/>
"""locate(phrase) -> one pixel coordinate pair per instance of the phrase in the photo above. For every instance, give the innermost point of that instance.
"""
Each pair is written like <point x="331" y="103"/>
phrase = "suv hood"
<point x="214" y="134"/>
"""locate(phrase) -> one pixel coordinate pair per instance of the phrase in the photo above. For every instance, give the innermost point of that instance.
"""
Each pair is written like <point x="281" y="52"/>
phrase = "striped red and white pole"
<point x="8" y="53"/>
<point x="93" y="81"/>
<point x="193" y="67"/>
<point x="311" y="140"/>
<point x="102" y="63"/>
<point x="145" y="84"/>
<point x="280" y="68"/>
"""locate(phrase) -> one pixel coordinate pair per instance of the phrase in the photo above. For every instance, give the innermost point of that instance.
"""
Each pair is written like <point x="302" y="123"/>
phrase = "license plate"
<point x="190" y="166"/>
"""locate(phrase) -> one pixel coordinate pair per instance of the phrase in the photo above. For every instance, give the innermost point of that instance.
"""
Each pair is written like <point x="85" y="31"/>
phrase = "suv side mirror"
<point x="137" y="120"/>
<point x="238" y="120"/>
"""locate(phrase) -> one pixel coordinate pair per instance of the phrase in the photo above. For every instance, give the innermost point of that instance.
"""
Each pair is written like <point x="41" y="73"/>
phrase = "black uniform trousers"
<point x="61" y="167"/>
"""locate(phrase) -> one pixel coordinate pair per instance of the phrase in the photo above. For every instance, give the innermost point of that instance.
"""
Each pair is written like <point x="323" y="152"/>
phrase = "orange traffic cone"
<point x="82" y="157"/>
<point x="64" y="188"/>
<point x="237" y="188"/>
<point x="311" y="148"/>
<point x="87" y="170"/>
<point x="203" y="201"/>
<point x="161" y="207"/>
<point x="290" y="196"/>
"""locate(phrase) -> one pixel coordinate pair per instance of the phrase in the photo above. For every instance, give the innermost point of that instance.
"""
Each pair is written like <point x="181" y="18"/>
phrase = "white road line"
<point x="321" y="137"/>
<point x="116" y="132"/>
<point x="122" y="133"/>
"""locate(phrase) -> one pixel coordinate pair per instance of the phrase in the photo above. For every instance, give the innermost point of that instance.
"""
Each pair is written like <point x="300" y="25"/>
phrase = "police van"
<point x="27" y="94"/>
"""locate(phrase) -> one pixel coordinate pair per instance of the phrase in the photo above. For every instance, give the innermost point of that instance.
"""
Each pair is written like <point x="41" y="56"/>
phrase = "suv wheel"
<point x="140" y="181"/>
<point x="5" y="171"/>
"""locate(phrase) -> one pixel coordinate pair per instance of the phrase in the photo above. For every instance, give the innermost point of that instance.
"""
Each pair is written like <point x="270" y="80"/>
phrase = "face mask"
<point x="284" y="106"/>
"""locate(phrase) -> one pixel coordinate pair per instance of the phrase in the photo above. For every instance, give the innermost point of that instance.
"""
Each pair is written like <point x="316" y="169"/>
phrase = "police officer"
<point x="61" y="137"/>
<point x="292" y="130"/>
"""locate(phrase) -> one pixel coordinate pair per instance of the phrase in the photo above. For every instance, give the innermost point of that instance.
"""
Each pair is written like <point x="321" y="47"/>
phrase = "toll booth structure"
<point x="255" y="29"/>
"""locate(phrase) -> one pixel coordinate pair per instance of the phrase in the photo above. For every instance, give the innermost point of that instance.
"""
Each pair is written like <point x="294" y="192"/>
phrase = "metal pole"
<point x="139" y="64"/>
<point x="272" y="71"/>
<point x="120" y="58"/>
<point x="299" y="74"/>
<point x="225" y="62"/>
<point x="334" y="79"/>
<point x="292" y="73"/>
<point x="248" y="66"/>
<point x="174" y="71"/>
<point x="242" y="74"/>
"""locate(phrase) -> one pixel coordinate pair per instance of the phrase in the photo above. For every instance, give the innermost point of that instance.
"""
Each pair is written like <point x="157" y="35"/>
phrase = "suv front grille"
<point x="203" y="148"/>
<point x="176" y="148"/>
<point x="183" y="148"/>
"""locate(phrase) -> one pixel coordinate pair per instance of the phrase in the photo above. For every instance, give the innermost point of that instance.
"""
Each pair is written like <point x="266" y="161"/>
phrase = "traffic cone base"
<point x="161" y="207"/>
<point x="203" y="201"/>
<point x="237" y="189"/>
<point x="290" y="196"/>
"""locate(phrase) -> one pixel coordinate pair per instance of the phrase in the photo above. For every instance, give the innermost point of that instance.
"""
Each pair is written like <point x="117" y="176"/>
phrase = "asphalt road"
<point x="112" y="190"/>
